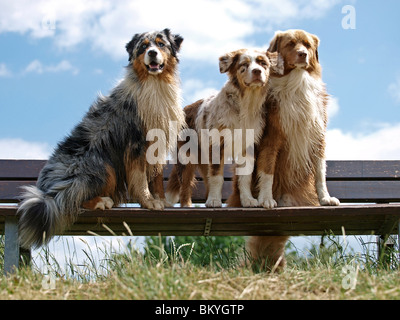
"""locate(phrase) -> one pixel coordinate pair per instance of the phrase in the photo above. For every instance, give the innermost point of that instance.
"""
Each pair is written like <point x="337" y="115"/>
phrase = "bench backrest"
<point x="350" y="181"/>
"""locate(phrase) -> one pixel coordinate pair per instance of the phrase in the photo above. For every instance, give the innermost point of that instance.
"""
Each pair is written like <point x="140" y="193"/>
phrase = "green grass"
<point x="206" y="269"/>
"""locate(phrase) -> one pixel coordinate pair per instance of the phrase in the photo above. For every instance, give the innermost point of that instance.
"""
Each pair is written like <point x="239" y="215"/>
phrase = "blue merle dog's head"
<point x="154" y="53"/>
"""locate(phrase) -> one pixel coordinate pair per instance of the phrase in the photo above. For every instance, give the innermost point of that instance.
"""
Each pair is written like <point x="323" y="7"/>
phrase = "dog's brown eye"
<point x="263" y="63"/>
<point x="243" y="67"/>
<point x="307" y="45"/>
<point x="291" y="44"/>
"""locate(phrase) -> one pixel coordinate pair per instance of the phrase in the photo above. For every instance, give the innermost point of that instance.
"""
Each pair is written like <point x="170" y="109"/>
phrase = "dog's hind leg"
<point x="101" y="203"/>
<point x="215" y="185"/>
<point x="104" y="201"/>
<point x="186" y="176"/>
<point x="173" y="187"/>
<point x="157" y="189"/>
<point x="320" y="183"/>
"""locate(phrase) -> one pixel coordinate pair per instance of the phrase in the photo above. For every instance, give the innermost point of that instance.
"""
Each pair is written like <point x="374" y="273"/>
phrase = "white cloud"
<point x="333" y="107"/>
<point x="194" y="89"/>
<point x="382" y="144"/>
<point x="394" y="89"/>
<point x="35" y="66"/>
<point x="4" y="71"/>
<point x="64" y="66"/>
<point x="210" y="27"/>
<point x="20" y="149"/>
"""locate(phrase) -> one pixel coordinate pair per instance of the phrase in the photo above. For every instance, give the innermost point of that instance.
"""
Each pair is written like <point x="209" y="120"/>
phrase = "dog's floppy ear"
<point x="130" y="46"/>
<point x="316" y="44"/>
<point x="175" y="40"/>
<point x="277" y="63"/>
<point x="274" y="44"/>
<point x="227" y="60"/>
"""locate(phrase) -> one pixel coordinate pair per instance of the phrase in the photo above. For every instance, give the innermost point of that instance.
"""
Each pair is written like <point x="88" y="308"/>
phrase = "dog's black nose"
<point x="152" y="53"/>
<point x="302" y="54"/>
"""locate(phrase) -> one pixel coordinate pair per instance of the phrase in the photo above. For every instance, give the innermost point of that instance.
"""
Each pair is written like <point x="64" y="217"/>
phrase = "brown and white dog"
<point x="237" y="108"/>
<point x="291" y="163"/>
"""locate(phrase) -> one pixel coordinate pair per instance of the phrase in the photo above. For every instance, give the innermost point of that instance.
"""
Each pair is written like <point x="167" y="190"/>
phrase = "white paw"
<point x="172" y="198"/>
<point x="329" y="201"/>
<point x="267" y="203"/>
<point x="213" y="203"/>
<point x="166" y="203"/>
<point x="105" y="203"/>
<point x="249" y="202"/>
<point x="153" y="204"/>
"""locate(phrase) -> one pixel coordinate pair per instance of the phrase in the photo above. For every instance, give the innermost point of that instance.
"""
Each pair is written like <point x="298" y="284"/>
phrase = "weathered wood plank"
<point x="363" y="169"/>
<point x="366" y="219"/>
<point x="10" y="191"/>
<point x="346" y="191"/>
<point x="365" y="191"/>
<point x="338" y="169"/>
<point x="20" y="169"/>
<point x="242" y="213"/>
<point x="350" y="181"/>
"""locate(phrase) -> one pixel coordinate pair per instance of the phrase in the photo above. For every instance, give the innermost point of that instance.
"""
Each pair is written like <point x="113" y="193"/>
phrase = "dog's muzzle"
<point x="154" y="61"/>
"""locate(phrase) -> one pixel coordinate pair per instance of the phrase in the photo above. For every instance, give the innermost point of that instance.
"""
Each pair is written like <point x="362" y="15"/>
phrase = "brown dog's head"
<point x="297" y="49"/>
<point x="246" y="68"/>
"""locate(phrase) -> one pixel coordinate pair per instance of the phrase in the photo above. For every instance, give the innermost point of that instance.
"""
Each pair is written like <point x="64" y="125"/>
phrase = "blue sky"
<point x="56" y="56"/>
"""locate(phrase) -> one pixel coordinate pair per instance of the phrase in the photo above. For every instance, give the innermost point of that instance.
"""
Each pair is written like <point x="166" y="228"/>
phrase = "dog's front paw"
<point x="166" y="203"/>
<point x="267" y="203"/>
<point x="329" y="201"/>
<point x="249" y="202"/>
<point x="108" y="202"/>
<point x="213" y="203"/>
<point x="98" y="203"/>
<point x="153" y="204"/>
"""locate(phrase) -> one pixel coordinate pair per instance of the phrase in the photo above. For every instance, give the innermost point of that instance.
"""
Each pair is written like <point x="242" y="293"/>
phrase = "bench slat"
<point x="20" y="169"/>
<point x="346" y="191"/>
<point x="366" y="219"/>
<point x="338" y="169"/>
<point x="363" y="170"/>
<point x="365" y="191"/>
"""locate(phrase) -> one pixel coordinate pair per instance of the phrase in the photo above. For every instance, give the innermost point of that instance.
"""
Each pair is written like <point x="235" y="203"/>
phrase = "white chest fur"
<point x="159" y="107"/>
<point x="239" y="117"/>
<point x="301" y="109"/>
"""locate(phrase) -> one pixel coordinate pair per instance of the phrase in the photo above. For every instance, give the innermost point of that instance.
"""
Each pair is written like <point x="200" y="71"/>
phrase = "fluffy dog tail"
<point x="41" y="216"/>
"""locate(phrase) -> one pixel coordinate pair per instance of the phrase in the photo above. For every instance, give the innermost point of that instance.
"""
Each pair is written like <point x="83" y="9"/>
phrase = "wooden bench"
<point x="370" y="190"/>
